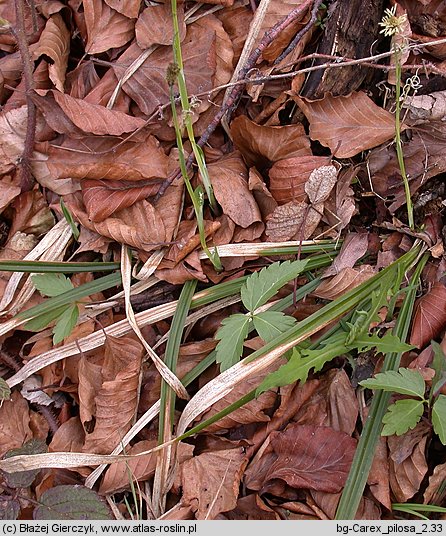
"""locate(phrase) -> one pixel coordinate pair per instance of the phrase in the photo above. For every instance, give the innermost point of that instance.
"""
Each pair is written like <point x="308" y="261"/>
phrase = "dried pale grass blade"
<point x="167" y="375"/>
<point x="256" y="248"/>
<point x="150" y="265"/>
<point x="59" y="235"/>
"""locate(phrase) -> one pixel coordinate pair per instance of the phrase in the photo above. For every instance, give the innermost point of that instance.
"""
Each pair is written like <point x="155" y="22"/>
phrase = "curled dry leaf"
<point x="106" y="28"/>
<point x="288" y="177"/>
<point x="154" y="26"/>
<point x="353" y="248"/>
<point x="117" y="398"/>
<point x="293" y="221"/>
<point x="308" y="457"/>
<point x="211" y="482"/>
<point x="96" y="119"/>
<point x="262" y="195"/>
<point x="341" y="206"/>
<point x="229" y="178"/>
<point x="348" y="125"/>
<point x="430" y="316"/>
<point x="54" y="43"/>
<point x="345" y="280"/>
<point x="129" y="8"/>
<point x="14" y="419"/>
<point x="261" y="145"/>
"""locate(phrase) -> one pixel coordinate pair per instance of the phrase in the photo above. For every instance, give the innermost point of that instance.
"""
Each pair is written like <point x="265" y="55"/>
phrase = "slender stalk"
<point x="47" y="267"/>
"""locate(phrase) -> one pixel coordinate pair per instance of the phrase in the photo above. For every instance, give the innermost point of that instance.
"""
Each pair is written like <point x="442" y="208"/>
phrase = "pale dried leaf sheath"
<point x="167" y="375"/>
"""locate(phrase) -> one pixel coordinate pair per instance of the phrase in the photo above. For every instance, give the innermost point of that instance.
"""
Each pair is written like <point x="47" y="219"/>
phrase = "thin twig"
<point x="26" y="179"/>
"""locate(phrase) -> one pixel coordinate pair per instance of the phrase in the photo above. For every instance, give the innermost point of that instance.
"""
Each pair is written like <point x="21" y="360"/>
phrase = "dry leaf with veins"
<point x="320" y="183"/>
<point x="293" y="220"/>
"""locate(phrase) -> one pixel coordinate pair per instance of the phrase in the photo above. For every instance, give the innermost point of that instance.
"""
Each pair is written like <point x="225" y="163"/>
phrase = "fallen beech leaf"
<point x="54" y="116"/>
<point x="262" y="195"/>
<point x="129" y="8"/>
<point x="229" y="178"/>
<point x="308" y="457"/>
<point x="106" y="28"/>
<point x="97" y="119"/>
<point x="69" y="437"/>
<point x="341" y="206"/>
<point x="430" y="316"/>
<point x="433" y="490"/>
<point x="211" y="482"/>
<point x="328" y="502"/>
<point x="320" y="183"/>
<point x="131" y="161"/>
<point x="116" y="401"/>
<point x="14" y="418"/>
<point x="54" y="42"/>
<point x="353" y="248"/>
<point x="8" y="191"/>
<point x="103" y="198"/>
<point x="293" y="220"/>
<point x="154" y="26"/>
<point x="289" y="176"/>
<point x="378" y="479"/>
<point x="82" y="80"/>
<point x="261" y="145"/>
<point x="345" y="280"/>
<point x="348" y="125"/>
<point x="235" y="21"/>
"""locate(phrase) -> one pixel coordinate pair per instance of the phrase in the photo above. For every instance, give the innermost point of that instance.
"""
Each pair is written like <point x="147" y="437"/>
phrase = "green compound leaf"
<point x="263" y="285"/>
<point x="388" y="343"/>
<point x="439" y="365"/>
<point x="232" y="333"/>
<point x="402" y="416"/>
<point x="270" y="324"/>
<point x="439" y="418"/>
<point x="65" y="323"/>
<point x="71" y="502"/>
<point x="41" y="321"/>
<point x="405" y="381"/>
<point x="5" y="391"/>
<point x="51" y="284"/>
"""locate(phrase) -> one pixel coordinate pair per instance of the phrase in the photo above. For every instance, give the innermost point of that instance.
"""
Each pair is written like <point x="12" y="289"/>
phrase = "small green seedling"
<point x="403" y="415"/>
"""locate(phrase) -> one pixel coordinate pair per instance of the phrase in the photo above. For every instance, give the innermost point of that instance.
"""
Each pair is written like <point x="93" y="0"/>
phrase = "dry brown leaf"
<point x="54" y="116"/>
<point x="261" y="145"/>
<point x="102" y="92"/>
<point x="154" y="26"/>
<point x="96" y="119"/>
<point x="340" y="207"/>
<point x="106" y="28"/>
<point x="103" y="198"/>
<point x="308" y="457"/>
<point x="430" y="316"/>
<point x="293" y="220"/>
<point x="31" y="214"/>
<point x="148" y="86"/>
<point x="353" y="248"/>
<point x="9" y="190"/>
<point x="328" y="502"/>
<point x="320" y="183"/>
<point x="14" y="423"/>
<point x="348" y="125"/>
<point x="211" y="482"/>
<point x="54" y="42"/>
<point x="130" y="161"/>
<point x="69" y="437"/>
<point x="344" y="281"/>
<point x="236" y="20"/>
<point x="262" y="195"/>
<point x="90" y="382"/>
<point x="117" y="399"/>
<point x="251" y="507"/>
<point x="229" y="178"/>
<point x="129" y="8"/>
<point x="433" y="492"/>
<point x="378" y="479"/>
<point x="81" y="80"/>
<point x="408" y="466"/>
<point x="288" y="177"/>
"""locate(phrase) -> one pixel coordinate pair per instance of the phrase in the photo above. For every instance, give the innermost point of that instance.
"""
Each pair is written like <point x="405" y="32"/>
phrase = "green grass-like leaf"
<point x="52" y="284"/>
<point x="263" y="285"/>
<point x="439" y="365"/>
<point x="65" y="323"/>
<point x="269" y="324"/>
<point x="402" y="416"/>
<point x="405" y="381"/>
<point x="439" y="418"/>
<point x="232" y="333"/>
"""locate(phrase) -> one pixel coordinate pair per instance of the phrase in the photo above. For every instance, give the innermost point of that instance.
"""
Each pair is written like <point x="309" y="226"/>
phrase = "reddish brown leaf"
<point x="235" y="21"/>
<point x="348" y="125"/>
<point x="211" y="482"/>
<point x="130" y="161"/>
<point x="229" y="178"/>
<point x="106" y="28"/>
<point x="341" y="206"/>
<point x="260" y="145"/>
<point x="14" y="419"/>
<point x="54" y="42"/>
<point x="288" y="177"/>
<point x="353" y="248"/>
<point x="148" y="86"/>
<point x="309" y="457"/>
<point x="430" y="316"/>
<point x="262" y="195"/>
<point x="117" y="398"/>
<point x="82" y="80"/>
<point x="293" y="221"/>
<point x="345" y="280"/>
<point x="96" y="119"/>
<point x="69" y="437"/>
<point x="129" y="8"/>
<point x="434" y="489"/>
<point x="154" y="26"/>
<point x="9" y="190"/>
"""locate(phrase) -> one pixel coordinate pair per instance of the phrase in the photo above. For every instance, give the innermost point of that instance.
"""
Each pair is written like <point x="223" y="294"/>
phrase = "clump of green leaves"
<point x="66" y="316"/>
<point x="404" y="415"/>
<point x="257" y="290"/>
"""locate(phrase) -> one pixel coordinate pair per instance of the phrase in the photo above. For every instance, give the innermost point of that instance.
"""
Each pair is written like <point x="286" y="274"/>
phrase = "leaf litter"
<point x="87" y="131"/>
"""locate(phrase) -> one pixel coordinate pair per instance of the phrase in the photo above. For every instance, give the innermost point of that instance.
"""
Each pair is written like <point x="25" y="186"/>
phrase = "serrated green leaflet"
<point x="439" y="418"/>
<point x="52" y="284"/>
<point x="41" y="321"/>
<point x="232" y="333"/>
<point x="65" y="323"/>
<point x="439" y="365"/>
<point x="263" y="285"/>
<point x="269" y="324"/>
<point x="402" y="416"/>
<point x="405" y="381"/>
<point x="388" y="343"/>
<point x="5" y="391"/>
